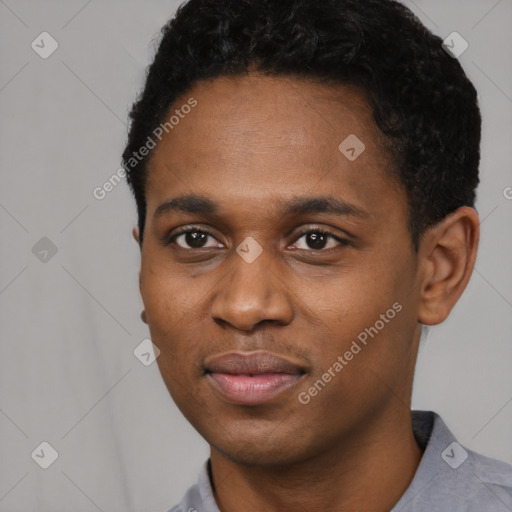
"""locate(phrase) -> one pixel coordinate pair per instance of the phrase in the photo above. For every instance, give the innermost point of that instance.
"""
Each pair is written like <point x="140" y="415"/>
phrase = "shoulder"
<point x="199" y="497"/>
<point x="479" y="484"/>
<point x="491" y="478"/>
<point x="453" y="478"/>
<point x="187" y="504"/>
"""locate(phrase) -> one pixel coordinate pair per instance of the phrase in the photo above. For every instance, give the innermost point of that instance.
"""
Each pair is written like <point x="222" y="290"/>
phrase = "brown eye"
<point x="194" y="239"/>
<point x="317" y="240"/>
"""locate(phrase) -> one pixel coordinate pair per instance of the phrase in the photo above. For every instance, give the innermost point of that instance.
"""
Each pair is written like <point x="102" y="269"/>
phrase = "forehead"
<point x="257" y="137"/>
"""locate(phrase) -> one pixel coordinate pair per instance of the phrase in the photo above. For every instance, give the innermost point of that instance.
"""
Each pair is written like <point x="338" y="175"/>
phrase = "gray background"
<point x="69" y="325"/>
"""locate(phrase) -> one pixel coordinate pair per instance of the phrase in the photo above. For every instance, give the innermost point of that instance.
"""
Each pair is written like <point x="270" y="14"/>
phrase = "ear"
<point x="447" y="258"/>
<point x="135" y="234"/>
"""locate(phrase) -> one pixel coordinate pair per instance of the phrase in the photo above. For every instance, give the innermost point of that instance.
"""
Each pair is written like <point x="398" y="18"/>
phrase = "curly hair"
<point x="422" y="101"/>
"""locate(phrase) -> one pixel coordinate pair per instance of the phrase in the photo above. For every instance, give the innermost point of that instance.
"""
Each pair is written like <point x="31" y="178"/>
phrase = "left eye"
<point x="317" y="240"/>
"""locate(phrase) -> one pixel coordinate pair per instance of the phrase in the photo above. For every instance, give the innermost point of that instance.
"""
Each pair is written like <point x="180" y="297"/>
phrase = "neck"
<point x="369" y="471"/>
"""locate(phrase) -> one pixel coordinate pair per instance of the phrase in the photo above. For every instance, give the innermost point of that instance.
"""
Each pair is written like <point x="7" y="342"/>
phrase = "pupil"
<point x="316" y="240"/>
<point x="195" y="238"/>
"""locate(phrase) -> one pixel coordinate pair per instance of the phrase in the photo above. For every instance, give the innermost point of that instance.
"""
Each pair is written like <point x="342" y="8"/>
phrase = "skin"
<point x="251" y="144"/>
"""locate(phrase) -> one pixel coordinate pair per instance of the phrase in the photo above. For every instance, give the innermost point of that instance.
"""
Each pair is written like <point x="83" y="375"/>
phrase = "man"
<point x="305" y="175"/>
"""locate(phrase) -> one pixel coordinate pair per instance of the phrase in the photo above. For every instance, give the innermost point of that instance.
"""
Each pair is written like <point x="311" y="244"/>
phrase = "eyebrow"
<point x="295" y="206"/>
<point x="187" y="204"/>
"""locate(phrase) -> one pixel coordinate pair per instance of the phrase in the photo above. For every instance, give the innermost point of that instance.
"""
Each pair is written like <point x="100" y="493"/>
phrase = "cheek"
<point x="365" y="322"/>
<point x="358" y="299"/>
<point x="163" y="293"/>
<point x="164" y="313"/>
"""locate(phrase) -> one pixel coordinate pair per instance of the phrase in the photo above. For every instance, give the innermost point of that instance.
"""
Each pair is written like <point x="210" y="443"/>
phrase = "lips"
<point x="252" y="378"/>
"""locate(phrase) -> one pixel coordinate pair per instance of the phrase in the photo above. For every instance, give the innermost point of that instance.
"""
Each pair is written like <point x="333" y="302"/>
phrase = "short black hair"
<point x="422" y="101"/>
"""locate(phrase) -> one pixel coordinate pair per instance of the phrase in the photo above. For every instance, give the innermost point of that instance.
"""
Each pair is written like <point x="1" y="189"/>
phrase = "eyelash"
<point x="191" y="229"/>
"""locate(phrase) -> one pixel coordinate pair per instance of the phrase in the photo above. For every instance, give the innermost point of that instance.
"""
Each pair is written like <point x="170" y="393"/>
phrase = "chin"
<point x="261" y="448"/>
<point x="259" y="455"/>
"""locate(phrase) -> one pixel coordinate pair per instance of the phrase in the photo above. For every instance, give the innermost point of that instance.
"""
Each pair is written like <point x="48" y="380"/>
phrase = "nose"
<point x="252" y="293"/>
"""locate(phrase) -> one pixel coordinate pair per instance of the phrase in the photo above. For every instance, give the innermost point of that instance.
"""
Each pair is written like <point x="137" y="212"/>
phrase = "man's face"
<point x="264" y="153"/>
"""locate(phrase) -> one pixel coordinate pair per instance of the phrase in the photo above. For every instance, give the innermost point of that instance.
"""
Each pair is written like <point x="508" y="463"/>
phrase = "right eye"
<point x="193" y="238"/>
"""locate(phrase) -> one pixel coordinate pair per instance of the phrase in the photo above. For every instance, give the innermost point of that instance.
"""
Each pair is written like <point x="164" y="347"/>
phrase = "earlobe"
<point x="448" y="253"/>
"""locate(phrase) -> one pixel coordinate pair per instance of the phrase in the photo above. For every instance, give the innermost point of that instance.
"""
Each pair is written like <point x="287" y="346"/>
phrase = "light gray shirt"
<point x="449" y="478"/>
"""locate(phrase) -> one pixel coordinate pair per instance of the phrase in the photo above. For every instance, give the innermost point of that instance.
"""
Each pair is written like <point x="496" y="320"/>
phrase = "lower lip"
<point x="255" y="389"/>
